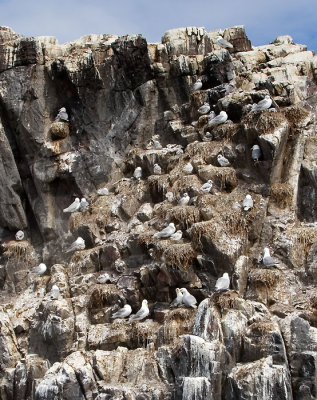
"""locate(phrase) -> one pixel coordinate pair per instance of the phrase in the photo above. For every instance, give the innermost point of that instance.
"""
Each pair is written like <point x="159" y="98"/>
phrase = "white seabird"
<point x="84" y="205"/>
<point x="79" y="244"/>
<point x="211" y="115"/>
<point x="19" y="236"/>
<point x="247" y="203"/>
<point x="223" y="283"/>
<point x="166" y="232"/>
<point x="170" y="196"/>
<point x="267" y="260"/>
<point x="223" y="42"/>
<point x="188" y="168"/>
<point x="221" y="118"/>
<point x="184" y="200"/>
<point x="104" y="278"/>
<point x="188" y="299"/>
<point x="206" y="187"/>
<point x="264" y="104"/>
<point x="178" y="300"/>
<point x="197" y="85"/>
<point x="73" y="207"/>
<point x="62" y="115"/>
<point x="142" y="313"/>
<point x="40" y="269"/>
<point x="137" y="174"/>
<point x="157" y="169"/>
<point x="55" y="292"/>
<point x="156" y="145"/>
<point x="204" y="109"/>
<point x="124" y="312"/>
<point x="223" y="161"/>
<point x="256" y="152"/>
<point x="177" y="235"/>
<point x="103" y="192"/>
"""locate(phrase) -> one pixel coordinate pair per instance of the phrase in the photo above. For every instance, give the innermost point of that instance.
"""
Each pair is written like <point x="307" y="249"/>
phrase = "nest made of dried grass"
<point x="228" y="300"/>
<point x="262" y="328"/>
<point x="265" y="122"/>
<point x="159" y="183"/>
<point x="295" y="114"/>
<point x="181" y="255"/>
<point x="183" y="215"/>
<point x="267" y="277"/>
<point x="20" y="251"/>
<point x="281" y="194"/>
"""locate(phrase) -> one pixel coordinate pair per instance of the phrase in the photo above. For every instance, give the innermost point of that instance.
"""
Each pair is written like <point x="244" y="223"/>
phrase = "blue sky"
<point x="70" y="19"/>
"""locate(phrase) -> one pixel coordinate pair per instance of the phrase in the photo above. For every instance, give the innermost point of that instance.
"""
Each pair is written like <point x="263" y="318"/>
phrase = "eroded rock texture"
<point x="256" y="340"/>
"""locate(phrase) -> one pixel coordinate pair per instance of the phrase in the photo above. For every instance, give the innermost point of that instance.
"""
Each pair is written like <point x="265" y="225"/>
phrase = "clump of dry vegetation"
<point x="281" y="194"/>
<point x="227" y="300"/>
<point x="181" y="255"/>
<point x="184" y="215"/>
<point x="262" y="328"/>
<point x="59" y="130"/>
<point x="266" y="277"/>
<point x="266" y="122"/>
<point x="20" y="251"/>
<point x="295" y="114"/>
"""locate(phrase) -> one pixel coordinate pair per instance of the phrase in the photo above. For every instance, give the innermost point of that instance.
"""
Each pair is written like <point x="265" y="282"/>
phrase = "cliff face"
<point x="257" y="340"/>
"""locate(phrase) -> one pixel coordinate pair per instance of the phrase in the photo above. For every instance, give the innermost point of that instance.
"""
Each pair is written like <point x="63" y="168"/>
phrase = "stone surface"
<point x="256" y="340"/>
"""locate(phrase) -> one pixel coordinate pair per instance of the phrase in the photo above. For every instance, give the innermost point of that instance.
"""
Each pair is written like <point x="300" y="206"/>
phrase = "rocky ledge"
<point x="116" y="121"/>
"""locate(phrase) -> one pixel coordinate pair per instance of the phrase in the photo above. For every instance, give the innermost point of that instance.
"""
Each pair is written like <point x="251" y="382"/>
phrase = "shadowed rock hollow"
<point x="131" y="104"/>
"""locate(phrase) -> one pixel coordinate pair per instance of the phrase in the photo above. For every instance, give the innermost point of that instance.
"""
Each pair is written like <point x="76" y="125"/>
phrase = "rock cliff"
<point x="131" y="104"/>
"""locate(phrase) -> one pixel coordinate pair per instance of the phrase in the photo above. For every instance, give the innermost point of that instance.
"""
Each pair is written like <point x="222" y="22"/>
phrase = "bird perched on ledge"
<point x="142" y="313"/>
<point x="62" y="115"/>
<point x="223" y="42"/>
<point x="197" y="85"/>
<point x="124" y="312"/>
<point x="73" y="207"/>
<point x="188" y="299"/>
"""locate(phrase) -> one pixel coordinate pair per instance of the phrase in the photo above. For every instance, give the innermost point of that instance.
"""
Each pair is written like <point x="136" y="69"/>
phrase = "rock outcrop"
<point x="131" y="104"/>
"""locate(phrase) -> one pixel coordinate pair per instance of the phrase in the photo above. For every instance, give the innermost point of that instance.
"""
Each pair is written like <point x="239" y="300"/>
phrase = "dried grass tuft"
<point x="266" y="277"/>
<point x="228" y="300"/>
<point x="281" y="194"/>
<point x="184" y="215"/>
<point x="180" y="255"/>
<point x="20" y="251"/>
<point x="295" y="114"/>
<point x="262" y="328"/>
<point x="266" y="122"/>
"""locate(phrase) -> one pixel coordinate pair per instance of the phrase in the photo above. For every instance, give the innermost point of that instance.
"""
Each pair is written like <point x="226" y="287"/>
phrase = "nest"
<point x="266" y="277"/>
<point x="281" y="194"/>
<point x="159" y="183"/>
<point x="186" y="183"/>
<point x="265" y="123"/>
<point x="20" y="251"/>
<point x="295" y="114"/>
<point x="104" y="296"/>
<point x="184" y="215"/>
<point x="179" y="255"/>
<point x="228" y="300"/>
<point x="59" y="130"/>
<point x="262" y="328"/>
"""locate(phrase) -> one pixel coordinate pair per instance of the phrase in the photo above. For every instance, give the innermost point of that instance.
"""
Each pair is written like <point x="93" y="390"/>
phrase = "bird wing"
<point x="221" y="283"/>
<point x="122" y="313"/>
<point x="225" y="43"/>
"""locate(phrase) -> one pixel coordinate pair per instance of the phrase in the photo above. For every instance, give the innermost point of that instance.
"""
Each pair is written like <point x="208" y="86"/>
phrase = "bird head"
<point x="210" y="181"/>
<point x="183" y="291"/>
<point x="266" y="251"/>
<point x="77" y="200"/>
<point x="248" y="197"/>
<point x="185" y="194"/>
<point x="219" y="37"/>
<point x="172" y="225"/>
<point x="223" y="113"/>
<point x="226" y="275"/>
<point x="144" y="303"/>
<point x="63" y="109"/>
<point x="267" y="97"/>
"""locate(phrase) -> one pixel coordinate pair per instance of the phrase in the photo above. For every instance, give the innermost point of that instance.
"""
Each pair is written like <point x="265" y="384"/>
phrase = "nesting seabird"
<point x="157" y="169"/>
<point x="256" y="152"/>
<point x="223" y="161"/>
<point x="78" y="244"/>
<point x="221" y="118"/>
<point x="55" y="292"/>
<point x="62" y="115"/>
<point x="223" y="42"/>
<point x="197" y="85"/>
<point x="188" y="299"/>
<point x="206" y="187"/>
<point x="204" y="109"/>
<point x="166" y="232"/>
<point x="223" y="283"/>
<point x="247" y="203"/>
<point x="188" y="168"/>
<point x="267" y="260"/>
<point x="40" y="269"/>
<point x="184" y="200"/>
<point x="177" y="235"/>
<point x="142" y="313"/>
<point x="264" y="104"/>
<point x="73" y="207"/>
<point x="124" y="312"/>
<point x="19" y="236"/>
<point x="137" y="174"/>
